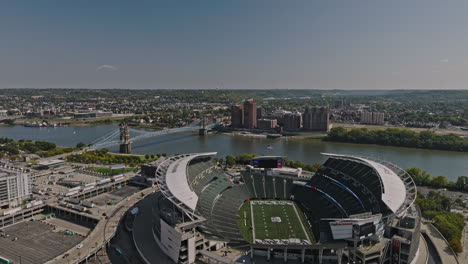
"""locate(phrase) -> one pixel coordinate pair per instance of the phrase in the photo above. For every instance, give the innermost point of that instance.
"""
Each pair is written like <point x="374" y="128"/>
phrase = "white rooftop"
<point x="51" y="162"/>
<point x="176" y="180"/>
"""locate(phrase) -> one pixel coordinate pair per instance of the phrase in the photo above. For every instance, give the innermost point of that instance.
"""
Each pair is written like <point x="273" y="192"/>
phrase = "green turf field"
<point x="272" y="222"/>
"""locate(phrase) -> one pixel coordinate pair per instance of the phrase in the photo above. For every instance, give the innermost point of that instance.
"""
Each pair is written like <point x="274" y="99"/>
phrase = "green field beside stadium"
<point x="280" y="221"/>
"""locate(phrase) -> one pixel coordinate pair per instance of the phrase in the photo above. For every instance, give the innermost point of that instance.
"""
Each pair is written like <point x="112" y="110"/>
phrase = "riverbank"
<point x="71" y="121"/>
<point x="449" y="163"/>
<point x="438" y="131"/>
<point x="398" y="138"/>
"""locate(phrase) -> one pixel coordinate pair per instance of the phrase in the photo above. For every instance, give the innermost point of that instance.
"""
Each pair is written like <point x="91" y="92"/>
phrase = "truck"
<point x="87" y="188"/>
<point x="74" y="189"/>
<point x="117" y="178"/>
<point x="102" y="182"/>
<point x="87" y="204"/>
<point x="36" y="203"/>
<point x="70" y="193"/>
<point x="12" y="211"/>
<point x="90" y="185"/>
<point x="36" y="191"/>
<point x="79" y="208"/>
<point x="74" y="201"/>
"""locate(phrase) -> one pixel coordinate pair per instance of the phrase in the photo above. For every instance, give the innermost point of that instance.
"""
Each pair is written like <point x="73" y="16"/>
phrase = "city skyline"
<point x="234" y="45"/>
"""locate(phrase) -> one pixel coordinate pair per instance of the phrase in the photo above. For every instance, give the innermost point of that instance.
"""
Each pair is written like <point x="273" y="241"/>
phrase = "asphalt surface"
<point x="36" y="242"/>
<point x="143" y="234"/>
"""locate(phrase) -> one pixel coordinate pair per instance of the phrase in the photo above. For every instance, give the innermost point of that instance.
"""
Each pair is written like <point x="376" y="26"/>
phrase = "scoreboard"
<point x="268" y="162"/>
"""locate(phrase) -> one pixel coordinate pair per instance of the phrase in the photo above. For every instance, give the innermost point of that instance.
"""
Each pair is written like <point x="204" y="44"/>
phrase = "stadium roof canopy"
<point x="176" y="180"/>
<point x="394" y="191"/>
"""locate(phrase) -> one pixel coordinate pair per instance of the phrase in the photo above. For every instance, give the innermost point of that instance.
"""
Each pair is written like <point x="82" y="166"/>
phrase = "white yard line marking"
<point x="253" y="224"/>
<point x="302" y="224"/>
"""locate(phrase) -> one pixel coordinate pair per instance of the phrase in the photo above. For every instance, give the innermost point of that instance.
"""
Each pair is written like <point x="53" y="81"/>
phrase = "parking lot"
<point x="64" y="225"/>
<point x="115" y="196"/>
<point x="36" y="242"/>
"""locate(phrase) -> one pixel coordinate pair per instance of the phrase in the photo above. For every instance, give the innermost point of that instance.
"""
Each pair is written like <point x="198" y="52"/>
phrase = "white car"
<point x="79" y="246"/>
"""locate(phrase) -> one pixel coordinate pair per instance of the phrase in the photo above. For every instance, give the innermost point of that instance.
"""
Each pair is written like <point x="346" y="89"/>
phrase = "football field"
<point x="260" y="220"/>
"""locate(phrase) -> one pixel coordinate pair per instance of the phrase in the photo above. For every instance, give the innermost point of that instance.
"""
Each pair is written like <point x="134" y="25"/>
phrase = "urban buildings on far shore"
<point x="266" y="124"/>
<point x="372" y="118"/>
<point x="313" y="119"/>
<point x="316" y="119"/>
<point x="237" y="116"/>
<point x="15" y="185"/>
<point x="250" y="114"/>
<point x="244" y="116"/>
<point x="292" y="121"/>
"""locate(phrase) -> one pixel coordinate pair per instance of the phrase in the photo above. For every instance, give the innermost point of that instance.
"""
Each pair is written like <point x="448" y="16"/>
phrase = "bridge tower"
<point x="203" y="131"/>
<point x="125" y="145"/>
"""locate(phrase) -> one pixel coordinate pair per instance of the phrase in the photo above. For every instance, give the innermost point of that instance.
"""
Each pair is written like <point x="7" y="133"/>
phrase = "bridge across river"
<point x="121" y="135"/>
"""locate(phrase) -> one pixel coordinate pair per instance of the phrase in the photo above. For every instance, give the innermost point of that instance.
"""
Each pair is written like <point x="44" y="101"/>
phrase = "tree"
<point x="456" y="245"/>
<point x="462" y="183"/>
<point x="439" y="181"/>
<point x="230" y="160"/>
<point x="419" y="176"/>
<point x="337" y="133"/>
<point x="80" y="145"/>
<point x="316" y="166"/>
<point x="147" y="157"/>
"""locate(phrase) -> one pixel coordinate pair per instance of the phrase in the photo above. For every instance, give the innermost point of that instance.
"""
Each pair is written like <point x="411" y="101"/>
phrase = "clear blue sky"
<point x="248" y="44"/>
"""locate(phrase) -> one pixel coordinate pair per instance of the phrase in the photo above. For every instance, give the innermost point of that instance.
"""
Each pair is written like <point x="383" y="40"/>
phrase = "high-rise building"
<point x="237" y="116"/>
<point x="266" y="124"/>
<point x="316" y="119"/>
<point x="292" y="121"/>
<point x="250" y="114"/>
<point x="15" y="185"/>
<point x="260" y="113"/>
<point x="373" y="118"/>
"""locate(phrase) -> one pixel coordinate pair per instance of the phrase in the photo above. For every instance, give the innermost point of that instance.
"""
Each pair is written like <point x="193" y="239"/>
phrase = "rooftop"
<point x="176" y="180"/>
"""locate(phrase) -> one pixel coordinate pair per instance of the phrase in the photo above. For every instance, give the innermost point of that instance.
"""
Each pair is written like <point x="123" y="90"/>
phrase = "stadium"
<point x="352" y="210"/>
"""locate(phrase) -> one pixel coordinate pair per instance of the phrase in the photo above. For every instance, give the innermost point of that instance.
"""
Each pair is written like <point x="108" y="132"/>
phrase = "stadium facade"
<point x="352" y="209"/>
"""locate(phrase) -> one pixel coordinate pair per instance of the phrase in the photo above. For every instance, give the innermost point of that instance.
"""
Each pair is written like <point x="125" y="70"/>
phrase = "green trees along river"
<point x="399" y="138"/>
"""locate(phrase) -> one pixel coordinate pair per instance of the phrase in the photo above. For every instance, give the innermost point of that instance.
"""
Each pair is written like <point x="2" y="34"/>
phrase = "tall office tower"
<point x="373" y="118"/>
<point x="237" y="116"/>
<point x="316" y="119"/>
<point x="292" y="121"/>
<point x="15" y="185"/>
<point x="250" y="114"/>
<point x="260" y="113"/>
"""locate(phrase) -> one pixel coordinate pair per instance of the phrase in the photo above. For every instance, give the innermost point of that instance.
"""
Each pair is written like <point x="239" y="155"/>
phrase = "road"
<point x="103" y="231"/>
<point x="441" y="245"/>
<point x="143" y="235"/>
<point x="463" y="257"/>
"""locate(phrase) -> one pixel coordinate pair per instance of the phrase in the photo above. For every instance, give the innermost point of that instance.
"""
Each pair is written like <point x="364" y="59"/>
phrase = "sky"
<point x="241" y="44"/>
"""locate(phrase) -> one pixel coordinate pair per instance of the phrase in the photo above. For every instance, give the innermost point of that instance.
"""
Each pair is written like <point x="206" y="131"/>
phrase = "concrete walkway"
<point x="463" y="257"/>
<point x="442" y="247"/>
<point x="423" y="253"/>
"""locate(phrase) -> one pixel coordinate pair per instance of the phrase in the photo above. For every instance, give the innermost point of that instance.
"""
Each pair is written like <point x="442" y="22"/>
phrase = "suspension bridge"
<point x="121" y="135"/>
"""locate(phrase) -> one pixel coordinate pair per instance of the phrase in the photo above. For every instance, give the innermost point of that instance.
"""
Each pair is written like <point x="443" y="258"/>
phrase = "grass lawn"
<point x="272" y="222"/>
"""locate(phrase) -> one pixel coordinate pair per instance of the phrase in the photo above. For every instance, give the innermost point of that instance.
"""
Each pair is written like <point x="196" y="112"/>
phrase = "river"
<point x="446" y="163"/>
